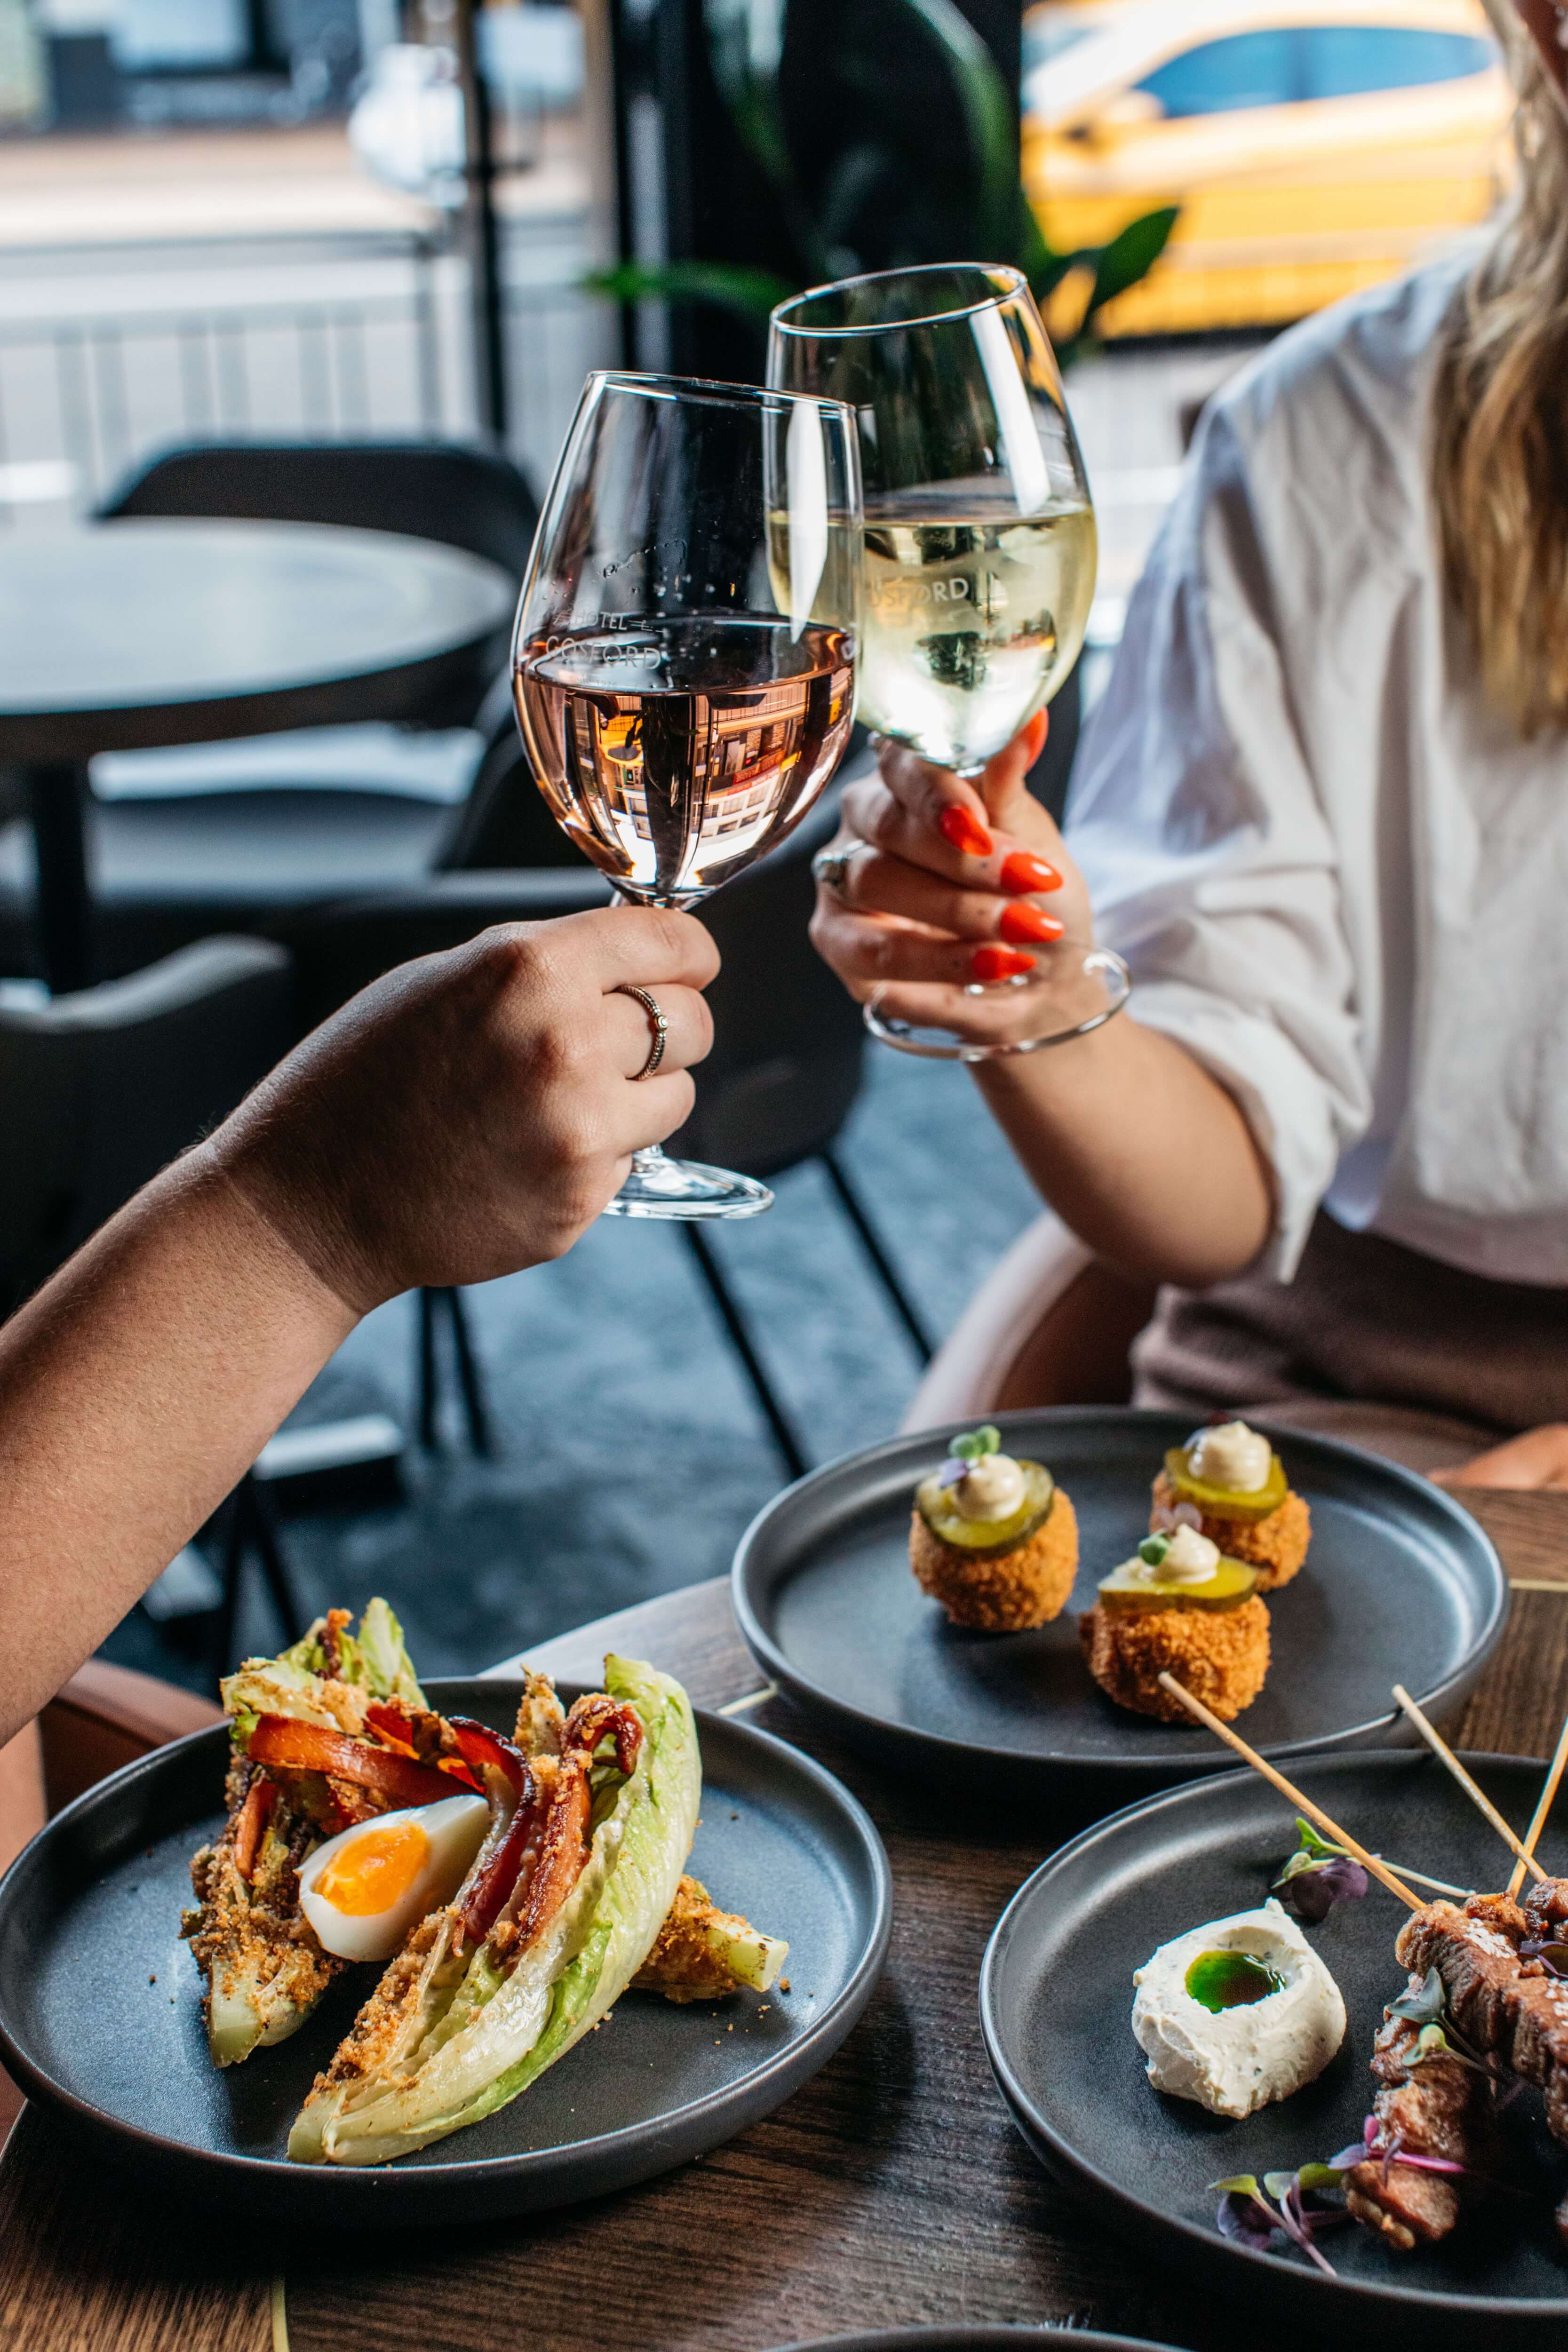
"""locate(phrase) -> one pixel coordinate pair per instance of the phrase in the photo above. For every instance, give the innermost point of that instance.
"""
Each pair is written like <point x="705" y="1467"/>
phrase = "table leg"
<point x="62" y="919"/>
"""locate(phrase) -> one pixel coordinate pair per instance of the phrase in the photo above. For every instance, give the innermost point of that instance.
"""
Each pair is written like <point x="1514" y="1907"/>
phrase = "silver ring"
<point x="656" y="1024"/>
<point x="829" y="868"/>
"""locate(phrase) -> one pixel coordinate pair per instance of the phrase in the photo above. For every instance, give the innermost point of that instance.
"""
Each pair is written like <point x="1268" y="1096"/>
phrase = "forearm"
<point x="1138" y="1150"/>
<point x="135" y="1389"/>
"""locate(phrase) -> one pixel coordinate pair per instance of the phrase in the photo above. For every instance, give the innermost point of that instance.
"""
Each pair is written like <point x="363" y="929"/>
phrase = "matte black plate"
<point x="975" y="2339"/>
<point x="1056" y="2000"/>
<point x="90" y="1913"/>
<point x="1400" y="1585"/>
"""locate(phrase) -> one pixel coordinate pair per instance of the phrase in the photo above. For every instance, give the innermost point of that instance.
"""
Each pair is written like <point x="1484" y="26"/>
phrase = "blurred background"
<point x="358" y="221"/>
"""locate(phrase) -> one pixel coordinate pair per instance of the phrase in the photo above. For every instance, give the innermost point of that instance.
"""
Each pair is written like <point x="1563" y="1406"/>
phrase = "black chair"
<point x="101" y="1090"/>
<point x="220" y="837"/>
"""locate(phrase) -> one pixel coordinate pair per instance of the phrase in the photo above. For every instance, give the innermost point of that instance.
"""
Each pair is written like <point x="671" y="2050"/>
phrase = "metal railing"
<point x="83" y="397"/>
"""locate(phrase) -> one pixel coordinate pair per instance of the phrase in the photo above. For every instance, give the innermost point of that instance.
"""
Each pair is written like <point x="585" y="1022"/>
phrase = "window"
<point x="1222" y="77"/>
<point x="1349" y="61"/>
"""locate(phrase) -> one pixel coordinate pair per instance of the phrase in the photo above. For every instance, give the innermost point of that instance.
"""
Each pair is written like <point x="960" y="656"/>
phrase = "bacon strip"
<point x="251" y="1822"/>
<point x="283" y="1741"/>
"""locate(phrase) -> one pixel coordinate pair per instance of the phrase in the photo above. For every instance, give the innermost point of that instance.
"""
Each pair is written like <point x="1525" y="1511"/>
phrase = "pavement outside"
<point x="632" y="1452"/>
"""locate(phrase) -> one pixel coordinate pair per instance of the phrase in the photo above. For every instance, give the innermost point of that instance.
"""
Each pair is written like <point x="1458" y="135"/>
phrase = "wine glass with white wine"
<point x="683" y="659"/>
<point x="977" y="559"/>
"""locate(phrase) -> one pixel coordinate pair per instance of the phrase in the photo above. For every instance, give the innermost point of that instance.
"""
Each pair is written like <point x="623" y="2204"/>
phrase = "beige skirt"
<point x="1371" y="1341"/>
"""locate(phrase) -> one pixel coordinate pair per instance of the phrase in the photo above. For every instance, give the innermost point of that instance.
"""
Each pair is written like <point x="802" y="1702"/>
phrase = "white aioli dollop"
<point x="1190" y="1558"/>
<point x="991" y="1488"/>
<point x="1231" y="1455"/>
<point x="1235" y="2061"/>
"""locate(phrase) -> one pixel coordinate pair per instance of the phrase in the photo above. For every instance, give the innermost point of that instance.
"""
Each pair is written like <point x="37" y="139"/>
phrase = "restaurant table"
<point x="130" y="636"/>
<point x="892" y="2190"/>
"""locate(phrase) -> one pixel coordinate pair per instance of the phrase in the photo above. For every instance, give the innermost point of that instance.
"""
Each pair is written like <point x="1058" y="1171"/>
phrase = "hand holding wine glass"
<point x="684" y="656"/>
<point x="978" y="566"/>
<point x="939" y="883"/>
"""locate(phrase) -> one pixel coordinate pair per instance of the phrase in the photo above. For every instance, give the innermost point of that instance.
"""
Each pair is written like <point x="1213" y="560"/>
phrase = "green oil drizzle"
<point x="1219" y="1980"/>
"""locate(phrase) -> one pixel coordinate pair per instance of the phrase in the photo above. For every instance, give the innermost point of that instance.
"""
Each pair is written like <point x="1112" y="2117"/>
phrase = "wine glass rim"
<point x="1016" y="284"/>
<point x="651" y="386"/>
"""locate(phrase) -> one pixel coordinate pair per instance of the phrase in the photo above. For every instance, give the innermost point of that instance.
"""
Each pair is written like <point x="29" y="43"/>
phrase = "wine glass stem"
<point x="652" y="1155"/>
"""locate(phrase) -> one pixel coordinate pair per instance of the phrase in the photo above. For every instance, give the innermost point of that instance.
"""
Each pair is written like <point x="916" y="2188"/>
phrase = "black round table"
<point x="125" y="635"/>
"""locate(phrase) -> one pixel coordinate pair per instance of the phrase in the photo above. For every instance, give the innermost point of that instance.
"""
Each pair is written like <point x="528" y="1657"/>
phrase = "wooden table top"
<point x="892" y="2190"/>
<point x="114" y="636"/>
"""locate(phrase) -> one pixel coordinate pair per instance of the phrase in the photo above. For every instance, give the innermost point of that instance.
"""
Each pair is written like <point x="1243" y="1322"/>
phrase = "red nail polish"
<point x="965" y="830"/>
<point x="1022" y="922"/>
<point x="1022" y="872"/>
<point x="1000" y="963"/>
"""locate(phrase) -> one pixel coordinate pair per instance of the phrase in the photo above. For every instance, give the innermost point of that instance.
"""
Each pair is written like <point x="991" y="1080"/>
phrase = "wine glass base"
<point x="688" y="1188"/>
<point x="1106" y="984"/>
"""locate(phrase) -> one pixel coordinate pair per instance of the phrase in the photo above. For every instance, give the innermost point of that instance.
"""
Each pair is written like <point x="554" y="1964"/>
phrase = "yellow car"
<point x="1313" y="147"/>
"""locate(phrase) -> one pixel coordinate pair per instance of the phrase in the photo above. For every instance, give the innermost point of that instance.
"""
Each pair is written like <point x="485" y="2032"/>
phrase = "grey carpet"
<point x="632" y="1454"/>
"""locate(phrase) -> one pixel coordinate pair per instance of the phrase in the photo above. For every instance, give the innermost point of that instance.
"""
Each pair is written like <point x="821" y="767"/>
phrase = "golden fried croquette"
<point x="1010" y="1592"/>
<point x="1276" y="1546"/>
<point x="1220" y="1655"/>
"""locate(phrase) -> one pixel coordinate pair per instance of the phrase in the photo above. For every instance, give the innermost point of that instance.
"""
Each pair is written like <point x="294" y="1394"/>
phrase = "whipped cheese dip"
<point x="1235" y="2060"/>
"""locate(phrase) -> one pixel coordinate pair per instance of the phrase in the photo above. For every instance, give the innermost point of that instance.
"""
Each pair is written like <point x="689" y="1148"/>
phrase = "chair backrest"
<point x="504" y="822"/>
<point x="467" y="497"/>
<point x="788" y="1040"/>
<point x="101" y="1089"/>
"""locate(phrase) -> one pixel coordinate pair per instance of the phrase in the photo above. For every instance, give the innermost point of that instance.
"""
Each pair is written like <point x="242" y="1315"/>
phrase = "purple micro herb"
<point x="1247" y="2214"/>
<point x="951" y="1471"/>
<point x="1553" y="1955"/>
<point x="1312" y="1890"/>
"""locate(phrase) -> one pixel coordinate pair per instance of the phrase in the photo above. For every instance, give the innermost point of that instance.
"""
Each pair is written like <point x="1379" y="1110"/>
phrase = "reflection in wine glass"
<point x="684" y="654"/>
<point x="978" y="562"/>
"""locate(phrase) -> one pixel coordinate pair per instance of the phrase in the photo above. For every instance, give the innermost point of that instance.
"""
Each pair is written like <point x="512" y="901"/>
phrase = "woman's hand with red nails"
<point x="952" y="882"/>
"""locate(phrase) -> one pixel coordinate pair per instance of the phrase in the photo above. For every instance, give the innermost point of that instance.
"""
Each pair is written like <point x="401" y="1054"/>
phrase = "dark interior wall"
<point x="880" y="158"/>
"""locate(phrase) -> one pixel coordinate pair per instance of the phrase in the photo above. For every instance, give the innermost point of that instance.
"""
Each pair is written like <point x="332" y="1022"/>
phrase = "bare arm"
<point x="1144" y="1154"/>
<point x="466" y="1117"/>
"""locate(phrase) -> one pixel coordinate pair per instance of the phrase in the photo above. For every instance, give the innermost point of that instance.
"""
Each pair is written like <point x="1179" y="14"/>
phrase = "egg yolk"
<point x="373" y="1871"/>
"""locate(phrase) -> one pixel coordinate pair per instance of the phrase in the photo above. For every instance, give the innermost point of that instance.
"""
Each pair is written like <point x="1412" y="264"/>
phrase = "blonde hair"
<point x="1500" y="420"/>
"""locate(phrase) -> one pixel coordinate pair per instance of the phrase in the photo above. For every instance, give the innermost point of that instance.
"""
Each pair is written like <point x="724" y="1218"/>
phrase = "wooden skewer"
<point x="1379" y="1870"/>
<point x="1543" y="1806"/>
<point x="1477" y="1796"/>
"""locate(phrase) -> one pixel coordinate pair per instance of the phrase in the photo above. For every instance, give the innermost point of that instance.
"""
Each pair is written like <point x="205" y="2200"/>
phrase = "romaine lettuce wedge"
<point x="455" y="2051"/>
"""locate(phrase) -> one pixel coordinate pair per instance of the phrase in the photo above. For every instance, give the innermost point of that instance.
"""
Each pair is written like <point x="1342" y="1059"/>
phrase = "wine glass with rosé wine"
<point x="977" y="555"/>
<point x="684" y="656"/>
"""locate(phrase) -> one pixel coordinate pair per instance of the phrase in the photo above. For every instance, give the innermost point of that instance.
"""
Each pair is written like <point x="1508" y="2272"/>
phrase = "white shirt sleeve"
<point x="1203" y="838"/>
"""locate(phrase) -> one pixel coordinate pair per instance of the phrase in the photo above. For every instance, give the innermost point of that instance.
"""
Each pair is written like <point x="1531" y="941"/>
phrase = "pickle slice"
<point x="1130" y="1587"/>
<point x="1224" y="1502"/>
<point x="984" y="1538"/>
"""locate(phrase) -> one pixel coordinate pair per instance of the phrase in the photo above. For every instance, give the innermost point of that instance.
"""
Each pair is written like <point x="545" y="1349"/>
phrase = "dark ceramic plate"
<point x="1056" y="1999"/>
<point x="975" y="2339"/>
<point x="1400" y="1585"/>
<point x="90" y="1915"/>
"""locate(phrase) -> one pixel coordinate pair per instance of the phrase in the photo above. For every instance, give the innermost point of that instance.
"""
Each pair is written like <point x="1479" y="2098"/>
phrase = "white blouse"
<point x="1339" y="882"/>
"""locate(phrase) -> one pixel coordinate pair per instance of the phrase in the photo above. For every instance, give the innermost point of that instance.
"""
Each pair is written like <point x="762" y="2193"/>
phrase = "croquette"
<point x="1276" y="1546"/>
<point x="1010" y="1592"/>
<point x="1221" y="1655"/>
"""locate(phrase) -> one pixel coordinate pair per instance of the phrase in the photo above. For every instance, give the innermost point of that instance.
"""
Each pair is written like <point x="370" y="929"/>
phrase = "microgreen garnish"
<point x="1426" y="2005"/>
<point x="1153" y="1549"/>
<point x="977" y="1444"/>
<point x="1251" y="2214"/>
<point x="1553" y="1955"/>
<point x="1318" y="1875"/>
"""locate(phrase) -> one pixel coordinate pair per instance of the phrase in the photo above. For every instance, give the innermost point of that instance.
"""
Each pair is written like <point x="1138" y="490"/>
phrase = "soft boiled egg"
<point x="368" y="1886"/>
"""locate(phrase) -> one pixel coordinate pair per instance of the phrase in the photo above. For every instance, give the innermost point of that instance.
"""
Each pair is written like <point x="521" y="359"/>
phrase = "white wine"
<point x="674" y="752"/>
<point x="970" y="618"/>
<point x="969" y="621"/>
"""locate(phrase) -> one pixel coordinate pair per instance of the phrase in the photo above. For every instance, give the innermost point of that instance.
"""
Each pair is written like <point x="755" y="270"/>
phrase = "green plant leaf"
<point x="745" y="48"/>
<point x="752" y="292"/>
<point x="987" y="119"/>
<point x="1131" y="256"/>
